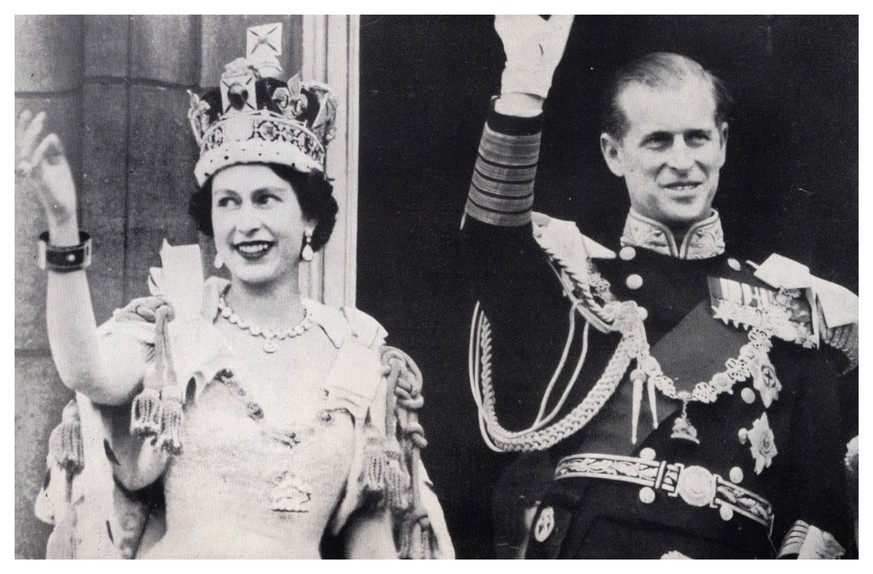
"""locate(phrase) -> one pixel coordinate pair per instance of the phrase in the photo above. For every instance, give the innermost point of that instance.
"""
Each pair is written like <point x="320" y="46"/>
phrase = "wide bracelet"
<point x="64" y="258"/>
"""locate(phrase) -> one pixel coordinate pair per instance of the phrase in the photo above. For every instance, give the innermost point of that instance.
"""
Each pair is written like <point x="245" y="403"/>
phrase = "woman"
<point x="272" y="426"/>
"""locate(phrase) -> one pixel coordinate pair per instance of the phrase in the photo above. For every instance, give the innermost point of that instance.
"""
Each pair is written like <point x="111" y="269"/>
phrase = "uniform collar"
<point x="704" y="239"/>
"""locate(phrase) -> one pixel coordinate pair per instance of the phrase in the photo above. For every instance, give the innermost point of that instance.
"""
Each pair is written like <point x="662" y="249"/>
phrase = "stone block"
<point x="103" y="195"/>
<point x="48" y="53"/>
<point x="106" y="46"/>
<point x="164" y="49"/>
<point x="160" y="179"/>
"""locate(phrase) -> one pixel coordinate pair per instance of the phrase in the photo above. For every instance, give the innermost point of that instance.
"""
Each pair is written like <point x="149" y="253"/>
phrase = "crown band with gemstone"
<point x="258" y="137"/>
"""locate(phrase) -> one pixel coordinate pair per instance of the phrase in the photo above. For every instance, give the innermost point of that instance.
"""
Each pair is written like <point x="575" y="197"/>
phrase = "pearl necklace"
<point x="269" y="335"/>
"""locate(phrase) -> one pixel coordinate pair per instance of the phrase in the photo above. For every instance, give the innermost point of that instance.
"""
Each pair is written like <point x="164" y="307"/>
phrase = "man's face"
<point x="672" y="153"/>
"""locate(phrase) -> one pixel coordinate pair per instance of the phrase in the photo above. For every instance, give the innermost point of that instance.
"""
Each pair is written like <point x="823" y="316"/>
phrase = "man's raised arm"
<point x="501" y="192"/>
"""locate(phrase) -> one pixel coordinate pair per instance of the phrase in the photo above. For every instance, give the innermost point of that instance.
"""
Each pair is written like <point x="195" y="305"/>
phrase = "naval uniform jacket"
<point x="768" y="467"/>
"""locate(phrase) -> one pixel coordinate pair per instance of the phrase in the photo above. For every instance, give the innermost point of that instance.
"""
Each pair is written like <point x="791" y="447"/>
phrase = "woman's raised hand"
<point x="42" y="161"/>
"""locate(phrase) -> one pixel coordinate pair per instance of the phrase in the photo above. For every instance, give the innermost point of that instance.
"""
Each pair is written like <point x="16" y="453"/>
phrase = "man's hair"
<point x="657" y="70"/>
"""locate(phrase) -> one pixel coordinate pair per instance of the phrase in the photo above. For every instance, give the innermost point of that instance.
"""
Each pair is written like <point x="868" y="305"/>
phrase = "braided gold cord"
<point x="633" y="345"/>
<point x="404" y="383"/>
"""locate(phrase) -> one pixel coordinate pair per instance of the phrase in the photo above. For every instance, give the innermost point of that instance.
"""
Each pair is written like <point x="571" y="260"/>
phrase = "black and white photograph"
<point x="436" y="286"/>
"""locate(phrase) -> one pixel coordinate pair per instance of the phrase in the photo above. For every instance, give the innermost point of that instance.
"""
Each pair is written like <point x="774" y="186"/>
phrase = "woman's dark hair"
<point x="313" y="190"/>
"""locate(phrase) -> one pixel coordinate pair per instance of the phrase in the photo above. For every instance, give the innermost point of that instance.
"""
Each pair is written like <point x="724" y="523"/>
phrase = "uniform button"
<point x="647" y="454"/>
<point x="545" y="524"/>
<point x="647" y="495"/>
<point x="736" y="475"/>
<point x="734" y="264"/>
<point x="627" y="253"/>
<point x="748" y="395"/>
<point x="634" y="281"/>
<point x="726" y="512"/>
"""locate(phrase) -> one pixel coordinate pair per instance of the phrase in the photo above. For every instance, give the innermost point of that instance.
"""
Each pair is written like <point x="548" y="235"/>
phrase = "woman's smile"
<point x="258" y="224"/>
<point x="253" y="250"/>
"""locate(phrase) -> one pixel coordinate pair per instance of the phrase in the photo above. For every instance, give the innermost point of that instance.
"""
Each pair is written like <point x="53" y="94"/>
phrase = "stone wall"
<point x="114" y="88"/>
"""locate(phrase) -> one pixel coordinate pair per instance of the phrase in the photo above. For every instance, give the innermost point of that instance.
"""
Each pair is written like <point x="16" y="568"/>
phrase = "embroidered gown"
<point x="252" y="480"/>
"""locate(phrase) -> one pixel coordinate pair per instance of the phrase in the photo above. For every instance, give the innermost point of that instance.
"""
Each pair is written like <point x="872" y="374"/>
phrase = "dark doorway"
<point x="790" y="184"/>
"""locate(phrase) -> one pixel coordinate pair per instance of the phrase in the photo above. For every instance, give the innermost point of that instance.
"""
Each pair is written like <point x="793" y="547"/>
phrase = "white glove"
<point x="533" y="48"/>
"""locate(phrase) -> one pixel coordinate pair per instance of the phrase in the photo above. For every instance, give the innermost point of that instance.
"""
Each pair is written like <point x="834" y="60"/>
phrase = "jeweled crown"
<point x="256" y="117"/>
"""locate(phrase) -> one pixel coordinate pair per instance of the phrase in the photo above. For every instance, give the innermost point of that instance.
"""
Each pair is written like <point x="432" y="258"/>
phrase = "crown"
<point x="256" y="117"/>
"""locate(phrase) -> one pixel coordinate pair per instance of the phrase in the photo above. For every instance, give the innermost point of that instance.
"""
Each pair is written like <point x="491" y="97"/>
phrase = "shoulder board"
<point x="836" y="316"/>
<point x="838" y="305"/>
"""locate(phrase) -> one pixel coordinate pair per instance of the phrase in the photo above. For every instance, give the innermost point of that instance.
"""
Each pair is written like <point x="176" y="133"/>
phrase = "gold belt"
<point x="695" y="485"/>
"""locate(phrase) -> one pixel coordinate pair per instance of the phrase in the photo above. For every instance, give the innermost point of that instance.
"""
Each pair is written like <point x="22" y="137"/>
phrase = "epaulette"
<point x="783" y="298"/>
<point x="563" y="241"/>
<point x="570" y="253"/>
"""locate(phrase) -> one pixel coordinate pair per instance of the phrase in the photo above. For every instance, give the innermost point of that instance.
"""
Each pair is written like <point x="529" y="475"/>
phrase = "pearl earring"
<point x="219" y="261"/>
<point x="307" y="252"/>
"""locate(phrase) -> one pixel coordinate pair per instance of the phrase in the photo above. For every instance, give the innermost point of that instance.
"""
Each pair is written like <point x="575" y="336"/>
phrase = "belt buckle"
<point x="696" y="486"/>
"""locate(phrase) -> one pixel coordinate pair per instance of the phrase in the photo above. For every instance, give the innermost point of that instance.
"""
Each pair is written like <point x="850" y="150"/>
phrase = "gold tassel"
<point x="145" y="413"/>
<point x="425" y="550"/>
<point x="65" y="442"/>
<point x="171" y="395"/>
<point x="146" y="417"/>
<point x="407" y="532"/>
<point x="171" y="433"/>
<point x="375" y="464"/>
<point x="416" y="542"/>
<point x="396" y="481"/>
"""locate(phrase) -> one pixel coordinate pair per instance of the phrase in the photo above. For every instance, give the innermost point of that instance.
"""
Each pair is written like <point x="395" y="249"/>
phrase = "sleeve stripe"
<point x="503" y="174"/>
<point x="498" y="219"/>
<point x="502" y="187"/>
<point x="500" y="205"/>
<point x="500" y="211"/>
<point x="508" y="190"/>
<point x="521" y="150"/>
<point x="510" y="157"/>
<point x="497" y="164"/>
<point x="500" y="195"/>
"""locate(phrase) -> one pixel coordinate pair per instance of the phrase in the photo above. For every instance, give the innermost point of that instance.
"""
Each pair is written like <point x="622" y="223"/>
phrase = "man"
<point x="688" y="398"/>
